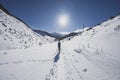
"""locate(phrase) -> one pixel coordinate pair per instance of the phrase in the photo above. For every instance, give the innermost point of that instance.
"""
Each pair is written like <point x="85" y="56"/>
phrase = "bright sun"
<point x="63" y="20"/>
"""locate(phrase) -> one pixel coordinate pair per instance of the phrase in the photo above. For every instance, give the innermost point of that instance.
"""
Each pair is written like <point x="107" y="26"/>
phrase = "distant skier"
<point x="59" y="46"/>
<point x="56" y="58"/>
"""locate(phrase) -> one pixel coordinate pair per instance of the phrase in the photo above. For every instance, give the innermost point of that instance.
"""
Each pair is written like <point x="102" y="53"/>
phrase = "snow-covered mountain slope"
<point x="95" y="54"/>
<point x="43" y="33"/>
<point x="16" y="34"/>
<point x="81" y="30"/>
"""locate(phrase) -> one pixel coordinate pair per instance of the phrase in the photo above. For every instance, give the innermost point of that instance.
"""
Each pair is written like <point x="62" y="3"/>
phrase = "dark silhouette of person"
<point x="59" y="46"/>
<point x="56" y="58"/>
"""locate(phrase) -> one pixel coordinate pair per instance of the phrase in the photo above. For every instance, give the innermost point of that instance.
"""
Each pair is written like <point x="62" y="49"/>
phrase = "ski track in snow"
<point x="18" y="62"/>
<point x="95" y="60"/>
<point x="90" y="59"/>
<point x="67" y="62"/>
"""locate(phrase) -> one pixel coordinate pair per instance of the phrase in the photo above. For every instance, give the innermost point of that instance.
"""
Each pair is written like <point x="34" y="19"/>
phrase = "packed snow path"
<point x="80" y="64"/>
<point x="73" y="64"/>
<point x="27" y="64"/>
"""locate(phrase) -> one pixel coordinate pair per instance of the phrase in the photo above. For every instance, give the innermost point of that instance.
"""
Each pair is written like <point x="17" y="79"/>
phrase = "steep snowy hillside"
<point x="93" y="55"/>
<point x="43" y="33"/>
<point x="16" y="34"/>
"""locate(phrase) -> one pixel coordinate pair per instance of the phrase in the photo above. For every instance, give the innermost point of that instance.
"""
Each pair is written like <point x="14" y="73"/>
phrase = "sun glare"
<point x="63" y="20"/>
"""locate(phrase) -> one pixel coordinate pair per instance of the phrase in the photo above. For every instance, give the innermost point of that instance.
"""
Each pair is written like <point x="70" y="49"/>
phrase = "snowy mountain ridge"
<point x="16" y="34"/>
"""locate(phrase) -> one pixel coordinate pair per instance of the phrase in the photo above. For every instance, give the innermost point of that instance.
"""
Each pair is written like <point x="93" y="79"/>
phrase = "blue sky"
<point x="43" y="14"/>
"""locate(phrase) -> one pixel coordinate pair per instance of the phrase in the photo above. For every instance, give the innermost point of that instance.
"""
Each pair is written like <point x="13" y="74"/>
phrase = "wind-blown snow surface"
<point x="92" y="55"/>
<point x="15" y="34"/>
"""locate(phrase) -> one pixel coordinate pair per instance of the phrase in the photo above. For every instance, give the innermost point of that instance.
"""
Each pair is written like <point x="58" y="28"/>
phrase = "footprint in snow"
<point x="3" y="63"/>
<point x="16" y="62"/>
<point x="84" y="70"/>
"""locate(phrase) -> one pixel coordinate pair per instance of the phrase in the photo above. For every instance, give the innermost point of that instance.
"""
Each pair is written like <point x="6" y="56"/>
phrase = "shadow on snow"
<point x="56" y="58"/>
